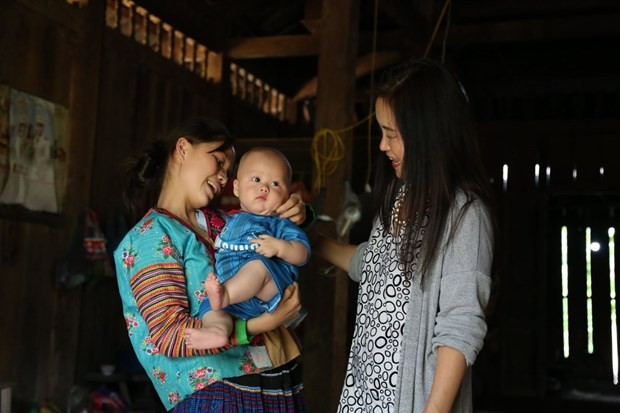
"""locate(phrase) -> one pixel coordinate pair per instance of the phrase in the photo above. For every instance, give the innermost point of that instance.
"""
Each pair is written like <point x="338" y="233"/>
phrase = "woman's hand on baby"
<point x="294" y="209"/>
<point x="287" y="310"/>
<point x="290" y="304"/>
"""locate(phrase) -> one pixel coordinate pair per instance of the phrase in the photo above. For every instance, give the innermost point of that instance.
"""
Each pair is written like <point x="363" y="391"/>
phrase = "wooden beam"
<point x="536" y="29"/>
<point x="326" y="327"/>
<point x="402" y="13"/>
<point x="363" y="67"/>
<point x="507" y="9"/>
<point x="426" y="9"/>
<point x="274" y="46"/>
<point x="531" y="130"/>
<point x="508" y="31"/>
<point x="312" y="15"/>
<point x="540" y="86"/>
<point x="308" y="45"/>
<point x="213" y="29"/>
<point x="66" y="16"/>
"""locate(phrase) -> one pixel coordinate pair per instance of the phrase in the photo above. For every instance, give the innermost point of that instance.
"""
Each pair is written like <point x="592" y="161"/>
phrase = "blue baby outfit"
<point x="233" y="250"/>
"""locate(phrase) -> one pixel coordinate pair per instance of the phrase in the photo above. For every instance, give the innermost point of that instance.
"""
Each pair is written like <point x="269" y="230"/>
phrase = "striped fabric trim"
<point x="226" y="397"/>
<point x="250" y="389"/>
<point x="161" y="297"/>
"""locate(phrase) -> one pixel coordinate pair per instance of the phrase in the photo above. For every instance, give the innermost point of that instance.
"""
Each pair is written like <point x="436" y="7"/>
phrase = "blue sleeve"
<point x="288" y="231"/>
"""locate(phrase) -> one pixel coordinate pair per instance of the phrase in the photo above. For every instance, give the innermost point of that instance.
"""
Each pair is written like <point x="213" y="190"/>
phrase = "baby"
<point x="257" y="253"/>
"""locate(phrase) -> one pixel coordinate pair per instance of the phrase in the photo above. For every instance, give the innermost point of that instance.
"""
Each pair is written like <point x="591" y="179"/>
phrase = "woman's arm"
<point x="161" y="297"/>
<point x="465" y="285"/>
<point x="287" y="310"/>
<point x="464" y="288"/>
<point x="449" y="372"/>
<point x="334" y="252"/>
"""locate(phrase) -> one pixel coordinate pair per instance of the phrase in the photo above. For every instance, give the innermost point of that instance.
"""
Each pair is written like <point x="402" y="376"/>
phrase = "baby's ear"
<point x="236" y="188"/>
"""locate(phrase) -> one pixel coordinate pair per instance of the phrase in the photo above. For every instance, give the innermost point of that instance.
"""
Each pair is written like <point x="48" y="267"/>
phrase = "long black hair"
<point x="441" y="155"/>
<point x="146" y="172"/>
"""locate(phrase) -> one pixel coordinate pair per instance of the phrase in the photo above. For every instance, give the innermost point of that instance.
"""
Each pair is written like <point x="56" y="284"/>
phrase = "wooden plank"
<point x="426" y="10"/>
<point x="325" y="329"/>
<point x="363" y="67"/>
<point x="536" y="129"/>
<point x="409" y="16"/>
<point x="308" y="45"/>
<point x="540" y="86"/>
<point x="570" y="27"/>
<point x="312" y="15"/>
<point x="83" y="100"/>
<point x="40" y="45"/>
<point x="484" y="9"/>
<point x="61" y="13"/>
<point x="274" y="46"/>
<point x="11" y="326"/>
<point x="209" y="28"/>
<point x="533" y="29"/>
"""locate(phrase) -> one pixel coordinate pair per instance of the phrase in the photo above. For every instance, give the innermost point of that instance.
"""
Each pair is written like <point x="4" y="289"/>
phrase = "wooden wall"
<point x="48" y="50"/>
<point x="120" y="95"/>
<point x="525" y="329"/>
<point x="147" y="95"/>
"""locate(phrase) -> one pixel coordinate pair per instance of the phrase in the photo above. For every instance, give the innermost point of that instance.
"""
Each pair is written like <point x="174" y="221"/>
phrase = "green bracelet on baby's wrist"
<point x="241" y="332"/>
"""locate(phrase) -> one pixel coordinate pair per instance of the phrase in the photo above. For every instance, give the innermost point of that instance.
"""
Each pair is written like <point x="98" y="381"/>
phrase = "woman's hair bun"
<point x="150" y="165"/>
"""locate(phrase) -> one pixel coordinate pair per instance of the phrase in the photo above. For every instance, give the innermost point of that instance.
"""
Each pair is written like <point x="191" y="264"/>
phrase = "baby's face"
<point x="262" y="183"/>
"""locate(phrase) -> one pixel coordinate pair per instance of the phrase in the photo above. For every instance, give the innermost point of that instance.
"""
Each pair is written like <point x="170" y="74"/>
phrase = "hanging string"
<point x="328" y="147"/>
<point x="327" y="150"/>
<point x="446" y="31"/>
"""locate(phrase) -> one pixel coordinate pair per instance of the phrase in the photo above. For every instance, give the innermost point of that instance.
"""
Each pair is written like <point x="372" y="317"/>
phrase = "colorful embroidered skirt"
<point x="279" y="390"/>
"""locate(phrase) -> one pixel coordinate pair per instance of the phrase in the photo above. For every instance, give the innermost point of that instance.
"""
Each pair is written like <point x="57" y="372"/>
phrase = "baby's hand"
<point x="267" y="246"/>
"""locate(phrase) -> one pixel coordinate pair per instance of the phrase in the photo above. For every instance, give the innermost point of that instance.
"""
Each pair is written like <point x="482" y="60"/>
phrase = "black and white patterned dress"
<point x="384" y="291"/>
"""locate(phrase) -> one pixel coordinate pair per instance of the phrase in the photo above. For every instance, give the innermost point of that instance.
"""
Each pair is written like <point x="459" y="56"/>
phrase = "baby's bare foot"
<point x="205" y="338"/>
<point x="215" y="292"/>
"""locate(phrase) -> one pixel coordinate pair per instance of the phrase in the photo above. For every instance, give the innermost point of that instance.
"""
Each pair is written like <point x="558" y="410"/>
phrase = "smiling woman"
<point x="161" y="265"/>
<point x="424" y="274"/>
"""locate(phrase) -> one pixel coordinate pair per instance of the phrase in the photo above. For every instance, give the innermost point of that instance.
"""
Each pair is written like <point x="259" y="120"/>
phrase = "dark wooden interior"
<point x="543" y="78"/>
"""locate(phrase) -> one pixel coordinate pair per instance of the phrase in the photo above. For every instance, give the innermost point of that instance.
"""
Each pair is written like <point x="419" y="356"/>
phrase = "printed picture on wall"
<point x="5" y="96"/>
<point x="31" y="177"/>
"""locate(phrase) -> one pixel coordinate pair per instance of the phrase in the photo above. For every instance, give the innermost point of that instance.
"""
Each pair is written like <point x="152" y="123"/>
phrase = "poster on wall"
<point x="31" y="177"/>
<point x="61" y="126"/>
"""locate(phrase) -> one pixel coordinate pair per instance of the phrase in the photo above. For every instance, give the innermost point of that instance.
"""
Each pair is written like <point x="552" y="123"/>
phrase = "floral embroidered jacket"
<point x="160" y="265"/>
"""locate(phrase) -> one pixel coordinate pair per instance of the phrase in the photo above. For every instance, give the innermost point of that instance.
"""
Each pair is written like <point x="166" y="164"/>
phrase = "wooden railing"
<point x="147" y="29"/>
<point x="253" y="90"/>
<point x="137" y="23"/>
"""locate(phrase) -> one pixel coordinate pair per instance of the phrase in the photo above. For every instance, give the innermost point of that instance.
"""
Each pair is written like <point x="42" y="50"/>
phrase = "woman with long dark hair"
<point x="424" y="274"/>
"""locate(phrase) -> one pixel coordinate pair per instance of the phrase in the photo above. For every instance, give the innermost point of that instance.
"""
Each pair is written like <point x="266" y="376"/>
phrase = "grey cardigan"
<point x="448" y="310"/>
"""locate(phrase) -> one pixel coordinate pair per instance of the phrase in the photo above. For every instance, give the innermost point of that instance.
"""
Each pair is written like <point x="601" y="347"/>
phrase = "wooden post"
<point x="327" y="298"/>
<point x="83" y="101"/>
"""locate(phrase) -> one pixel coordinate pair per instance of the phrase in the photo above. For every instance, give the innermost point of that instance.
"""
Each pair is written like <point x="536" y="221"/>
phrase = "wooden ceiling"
<point x="489" y="40"/>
